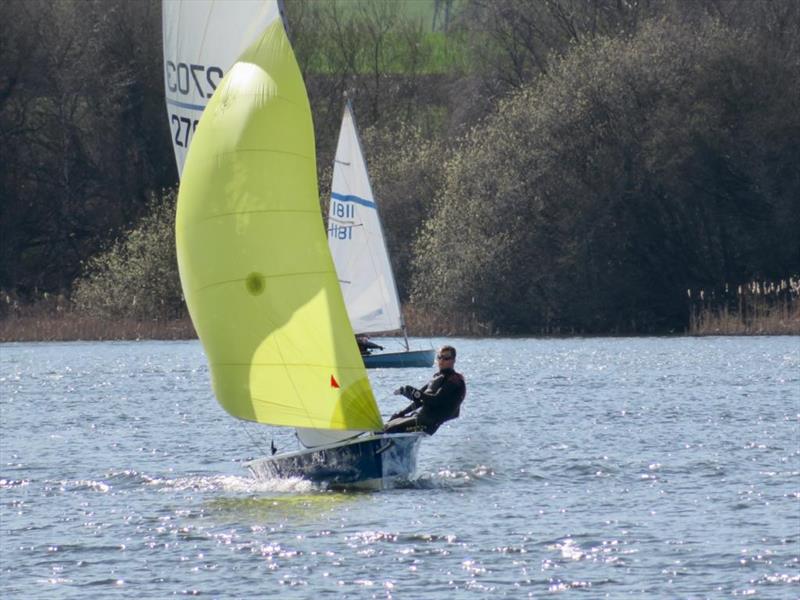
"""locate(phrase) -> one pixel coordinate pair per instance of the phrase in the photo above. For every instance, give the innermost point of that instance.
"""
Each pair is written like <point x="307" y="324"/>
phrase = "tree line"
<point x="540" y="166"/>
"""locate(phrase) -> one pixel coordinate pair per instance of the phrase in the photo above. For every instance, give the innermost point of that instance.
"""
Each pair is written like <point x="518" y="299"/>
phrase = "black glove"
<point x="380" y="347"/>
<point x="411" y="393"/>
<point x="414" y="395"/>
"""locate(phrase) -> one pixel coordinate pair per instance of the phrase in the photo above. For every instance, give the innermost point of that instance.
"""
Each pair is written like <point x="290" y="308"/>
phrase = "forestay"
<point x="198" y="51"/>
<point x="355" y="237"/>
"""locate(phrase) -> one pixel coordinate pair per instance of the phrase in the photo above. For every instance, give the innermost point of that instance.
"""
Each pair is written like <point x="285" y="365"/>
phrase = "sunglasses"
<point x="444" y="357"/>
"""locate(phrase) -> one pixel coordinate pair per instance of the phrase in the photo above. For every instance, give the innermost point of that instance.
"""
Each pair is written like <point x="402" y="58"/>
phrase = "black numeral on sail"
<point x="341" y="210"/>
<point x="213" y="77"/>
<point x="188" y="78"/>
<point x="184" y="128"/>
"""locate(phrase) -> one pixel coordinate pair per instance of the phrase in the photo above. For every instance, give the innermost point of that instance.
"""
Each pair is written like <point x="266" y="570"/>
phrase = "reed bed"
<point x="71" y="326"/>
<point x="54" y="318"/>
<point x="755" y="308"/>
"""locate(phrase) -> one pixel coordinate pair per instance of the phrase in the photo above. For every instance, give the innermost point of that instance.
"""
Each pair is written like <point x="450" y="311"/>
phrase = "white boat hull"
<point x="373" y="462"/>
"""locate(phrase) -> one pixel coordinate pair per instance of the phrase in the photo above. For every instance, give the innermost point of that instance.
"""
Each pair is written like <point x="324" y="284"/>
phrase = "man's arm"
<point x="412" y="393"/>
<point x="446" y="393"/>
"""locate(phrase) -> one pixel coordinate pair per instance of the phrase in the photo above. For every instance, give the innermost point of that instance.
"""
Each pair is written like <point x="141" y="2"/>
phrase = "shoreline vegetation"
<point x="756" y="308"/>
<point x="759" y="308"/>
<point x="555" y="168"/>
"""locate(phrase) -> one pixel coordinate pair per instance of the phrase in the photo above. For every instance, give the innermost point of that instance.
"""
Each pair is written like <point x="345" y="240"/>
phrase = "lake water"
<point x="635" y="468"/>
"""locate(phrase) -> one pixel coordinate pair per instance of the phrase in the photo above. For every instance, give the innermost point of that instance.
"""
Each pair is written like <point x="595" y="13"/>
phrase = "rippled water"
<point x="595" y="467"/>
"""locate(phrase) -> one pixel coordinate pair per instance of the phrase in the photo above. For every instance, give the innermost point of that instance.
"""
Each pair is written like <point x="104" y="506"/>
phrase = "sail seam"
<point x="255" y="212"/>
<point x="269" y="150"/>
<point x="274" y="276"/>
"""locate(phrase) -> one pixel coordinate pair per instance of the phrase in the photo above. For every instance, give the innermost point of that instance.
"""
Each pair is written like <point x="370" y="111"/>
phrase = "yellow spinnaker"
<point x="253" y="254"/>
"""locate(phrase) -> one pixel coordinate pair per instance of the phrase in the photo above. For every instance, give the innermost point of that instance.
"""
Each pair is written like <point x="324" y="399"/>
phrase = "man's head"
<point x="446" y="357"/>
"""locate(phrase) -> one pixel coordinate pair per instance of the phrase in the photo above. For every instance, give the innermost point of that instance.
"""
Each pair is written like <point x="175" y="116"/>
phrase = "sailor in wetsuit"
<point x="437" y="401"/>
<point x="365" y="346"/>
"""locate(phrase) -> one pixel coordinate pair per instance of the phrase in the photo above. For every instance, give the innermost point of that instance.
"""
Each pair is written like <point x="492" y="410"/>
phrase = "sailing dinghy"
<point x="355" y="237"/>
<point x="258" y="277"/>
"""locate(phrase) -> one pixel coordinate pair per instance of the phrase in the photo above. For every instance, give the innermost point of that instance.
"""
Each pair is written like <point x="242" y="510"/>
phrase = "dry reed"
<point x="71" y="326"/>
<point x="53" y="318"/>
<point x="756" y="308"/>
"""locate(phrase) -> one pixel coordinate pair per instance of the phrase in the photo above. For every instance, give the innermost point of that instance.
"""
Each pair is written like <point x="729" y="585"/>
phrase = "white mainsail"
<point x="355" y="237"/>
<point x="202" y="40"/>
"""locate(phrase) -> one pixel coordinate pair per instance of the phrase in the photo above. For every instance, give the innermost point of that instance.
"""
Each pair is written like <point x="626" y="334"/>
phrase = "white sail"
<point x="202" y="40"/>
<point x="355" y="237"/>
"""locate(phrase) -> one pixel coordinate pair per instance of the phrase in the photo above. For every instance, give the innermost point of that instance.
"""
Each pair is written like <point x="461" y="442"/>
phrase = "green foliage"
<point x="396" y="60"/>
<point x="360" y="36"/>
<point x="405" y="167"/>
<point x="609" y="155"/>
<point x="138" y="276"/>
<point x="639" y="167"/>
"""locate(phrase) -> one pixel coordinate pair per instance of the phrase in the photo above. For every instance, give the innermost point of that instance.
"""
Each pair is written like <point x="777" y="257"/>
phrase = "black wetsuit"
<point x="365" y="346"/>
<point x="437" y="401"/>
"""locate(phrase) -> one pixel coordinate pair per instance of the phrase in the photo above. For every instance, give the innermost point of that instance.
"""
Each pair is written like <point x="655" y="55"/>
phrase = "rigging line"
<point x="253" y="440"/>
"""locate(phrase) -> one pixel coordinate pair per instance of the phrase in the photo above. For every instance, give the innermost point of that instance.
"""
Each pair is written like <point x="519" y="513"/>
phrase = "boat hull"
<point x="399" y="360"/>
<point x="374" y="462"/>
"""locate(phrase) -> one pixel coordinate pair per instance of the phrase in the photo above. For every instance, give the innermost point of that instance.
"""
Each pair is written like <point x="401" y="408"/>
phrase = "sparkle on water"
<point x="595" y="467"/>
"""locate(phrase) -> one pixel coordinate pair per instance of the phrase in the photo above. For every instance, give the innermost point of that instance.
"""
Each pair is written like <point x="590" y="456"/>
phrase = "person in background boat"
<point x="437" y="401"/>
<point x="364" y="345"/>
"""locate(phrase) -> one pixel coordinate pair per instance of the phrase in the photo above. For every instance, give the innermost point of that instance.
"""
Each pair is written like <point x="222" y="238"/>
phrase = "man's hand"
<point x="409" y="392"/>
